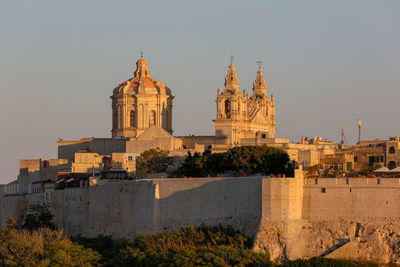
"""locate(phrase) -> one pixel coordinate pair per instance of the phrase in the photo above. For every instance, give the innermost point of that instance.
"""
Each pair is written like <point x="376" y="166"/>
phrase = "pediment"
<point x="154" y="132"/>
<point x="259" y="117"/>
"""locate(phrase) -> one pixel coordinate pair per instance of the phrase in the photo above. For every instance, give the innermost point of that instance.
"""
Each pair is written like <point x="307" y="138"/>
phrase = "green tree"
<point x="193" y="166"/>
<point x="153" y="161"/>
<point x="238" y="160"/>
<point x="213" y="163"/>
<point x="38" y="216"/>
<point x="106" y="246"/>
<point x="256" y="159"/>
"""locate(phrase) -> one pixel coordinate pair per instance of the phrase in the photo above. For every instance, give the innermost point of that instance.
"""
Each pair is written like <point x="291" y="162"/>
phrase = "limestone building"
<point x="240" y="117"/>
<point x="139" y="103"/>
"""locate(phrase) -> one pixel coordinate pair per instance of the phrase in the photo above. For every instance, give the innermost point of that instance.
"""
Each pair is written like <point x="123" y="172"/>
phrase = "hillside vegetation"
<point x="202" y="246"/>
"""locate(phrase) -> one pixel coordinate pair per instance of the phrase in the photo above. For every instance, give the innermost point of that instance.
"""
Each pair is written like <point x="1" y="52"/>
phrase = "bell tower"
<point x="240" y="117"/>
<point x="231" y="108"/>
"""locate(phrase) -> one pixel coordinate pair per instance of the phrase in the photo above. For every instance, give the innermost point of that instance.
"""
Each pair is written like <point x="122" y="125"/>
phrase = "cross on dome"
<point x="259" y="63"/>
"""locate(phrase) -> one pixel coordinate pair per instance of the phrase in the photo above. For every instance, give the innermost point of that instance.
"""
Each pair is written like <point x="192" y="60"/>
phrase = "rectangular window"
<point x="349" y="166"/>
<point x="323" y="190"/>
<point x="371" y="160"/>
<point x="130" y="158"/>
<point x="378" y="181"/>
<point x="263" y="136"/>
<point x="347" y="180"/>
<point x="316" y="181"/>
<point x="355" y="158"/>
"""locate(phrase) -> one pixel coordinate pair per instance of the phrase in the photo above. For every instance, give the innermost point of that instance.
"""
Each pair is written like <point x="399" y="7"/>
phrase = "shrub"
<point x="216" y="246"/>
<point x="43" y="247"/>
<point x="38" y="216"/>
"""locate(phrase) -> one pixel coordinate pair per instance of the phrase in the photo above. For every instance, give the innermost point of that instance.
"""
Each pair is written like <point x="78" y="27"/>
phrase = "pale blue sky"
<point x="326" y="62"/>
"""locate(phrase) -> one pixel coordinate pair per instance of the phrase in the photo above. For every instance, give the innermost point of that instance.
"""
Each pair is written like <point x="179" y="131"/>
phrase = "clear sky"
<point x="326" y="62"/>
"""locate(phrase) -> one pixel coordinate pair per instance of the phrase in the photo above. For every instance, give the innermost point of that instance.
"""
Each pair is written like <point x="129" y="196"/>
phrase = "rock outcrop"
<point x="364" y="241"/>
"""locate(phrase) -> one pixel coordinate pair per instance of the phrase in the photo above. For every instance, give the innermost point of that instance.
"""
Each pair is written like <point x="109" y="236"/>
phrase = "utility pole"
<point x="342" y="141"/>
<point x="359" y="130"/>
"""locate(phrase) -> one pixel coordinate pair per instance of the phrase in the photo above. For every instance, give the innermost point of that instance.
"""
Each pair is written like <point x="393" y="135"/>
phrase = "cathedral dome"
<point x="148" y="82"/>
<point x="141" y="76"/>
<point x="141" y="102"/>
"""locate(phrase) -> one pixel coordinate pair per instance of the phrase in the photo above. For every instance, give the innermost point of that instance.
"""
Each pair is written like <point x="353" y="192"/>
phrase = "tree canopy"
<point x="38" y="216"/>
<point x="238" y="161"/>
<point x="43" y="247"/>
<point x="153" y="161"/>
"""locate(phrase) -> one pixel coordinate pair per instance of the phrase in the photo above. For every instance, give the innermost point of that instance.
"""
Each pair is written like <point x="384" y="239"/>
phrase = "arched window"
<point x="167" y="119"/>
<point x="391" y="150"/>
<point x="121" y="122"/>
<point x="227" y="109"/>
<point x="115" y="119"/>
<point x="391" y="165"/>
<point x="133" y="118"/>
<point x="152" y="118"/>
<point x="141" y="117"/>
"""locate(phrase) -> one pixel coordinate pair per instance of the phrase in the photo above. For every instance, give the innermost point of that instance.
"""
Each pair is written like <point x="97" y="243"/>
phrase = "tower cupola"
<point x="259" y="85"/>
<point x="141" y="68"/>
<point x="231" y="80"/>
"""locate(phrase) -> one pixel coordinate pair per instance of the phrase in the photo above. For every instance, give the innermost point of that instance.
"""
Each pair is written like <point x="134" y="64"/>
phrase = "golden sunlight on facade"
<point x="139" y="103"/>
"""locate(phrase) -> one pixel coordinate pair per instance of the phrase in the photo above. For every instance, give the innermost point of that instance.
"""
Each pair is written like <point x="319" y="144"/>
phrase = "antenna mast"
<point x="359" y="130"/>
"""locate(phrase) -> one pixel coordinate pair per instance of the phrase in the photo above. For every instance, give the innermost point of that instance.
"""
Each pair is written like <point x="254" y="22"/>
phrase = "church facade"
<point x="240" y="116"/>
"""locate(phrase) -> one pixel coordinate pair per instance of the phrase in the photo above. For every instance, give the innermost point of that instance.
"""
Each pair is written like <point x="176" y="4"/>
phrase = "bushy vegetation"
<point x="42" y="247"/>
<point x="38" y="216"/>
<point x="153" y="161"/>
<point x="202" y="246"/>
<point x="243" y="160"/>
<point x="216" y="246"/>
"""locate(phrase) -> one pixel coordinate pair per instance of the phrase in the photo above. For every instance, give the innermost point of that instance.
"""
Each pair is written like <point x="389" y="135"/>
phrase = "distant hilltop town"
<point x="142" y="119"/>
<point x="342" y="201"/>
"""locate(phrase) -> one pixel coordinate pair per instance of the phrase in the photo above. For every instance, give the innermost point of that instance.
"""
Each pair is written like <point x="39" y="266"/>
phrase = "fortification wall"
<point x="11" y="206"/>
<point x="226" y="201"/>
<point x="291" y="217"/>
<point x="120" y="209"/>
<point x="362" y="214"/>
<point x="354" y="198"/>
<point x="123" y="209"/>
<point x="282" y="198"/>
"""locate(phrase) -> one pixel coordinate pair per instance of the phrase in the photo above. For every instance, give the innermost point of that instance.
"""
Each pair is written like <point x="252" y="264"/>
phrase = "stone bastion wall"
<point x="356" y="218"/>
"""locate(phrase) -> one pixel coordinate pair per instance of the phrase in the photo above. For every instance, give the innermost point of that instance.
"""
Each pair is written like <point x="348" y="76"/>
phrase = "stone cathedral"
<point x="139" y="103"/>
<point x="142" y="102"/>
<point x="240" y="117"/>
